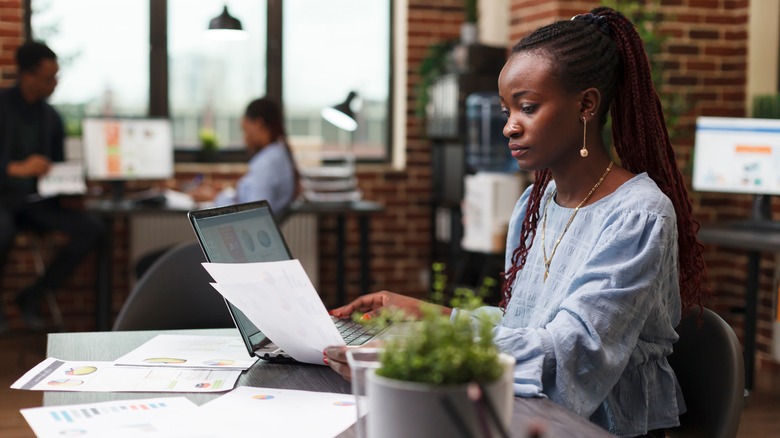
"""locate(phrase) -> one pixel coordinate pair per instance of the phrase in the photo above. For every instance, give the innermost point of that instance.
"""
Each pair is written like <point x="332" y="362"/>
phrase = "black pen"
<point x="449" y="408"/>
<point x="477" y="393"/>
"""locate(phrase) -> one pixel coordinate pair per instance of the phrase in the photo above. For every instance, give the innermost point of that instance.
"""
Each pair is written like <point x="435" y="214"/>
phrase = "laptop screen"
<point x="240" y="233"/>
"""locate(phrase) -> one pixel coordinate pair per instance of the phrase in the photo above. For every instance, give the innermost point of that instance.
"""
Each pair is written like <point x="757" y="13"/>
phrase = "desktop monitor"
<point x="119" y="150"/>
<point x="738" y="155"/>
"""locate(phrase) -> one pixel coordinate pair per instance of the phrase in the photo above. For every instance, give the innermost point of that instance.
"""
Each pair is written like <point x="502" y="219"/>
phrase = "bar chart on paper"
<point x="147" y="418"/>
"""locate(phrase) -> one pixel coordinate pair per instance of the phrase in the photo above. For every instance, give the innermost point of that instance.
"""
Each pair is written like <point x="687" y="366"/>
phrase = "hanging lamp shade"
<point x="226" y="27"/>
<point x="341" y="115"/>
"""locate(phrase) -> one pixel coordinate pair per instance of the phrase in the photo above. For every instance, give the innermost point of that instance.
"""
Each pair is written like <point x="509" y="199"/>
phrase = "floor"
<point x="21" y="351"/>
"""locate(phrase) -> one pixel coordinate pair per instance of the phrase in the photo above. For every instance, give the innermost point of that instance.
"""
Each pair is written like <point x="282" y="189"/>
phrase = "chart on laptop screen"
<point x="232" y="239"/>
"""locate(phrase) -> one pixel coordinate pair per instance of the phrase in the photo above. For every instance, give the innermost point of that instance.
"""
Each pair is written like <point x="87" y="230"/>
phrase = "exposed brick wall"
<point x="11" y="35"/>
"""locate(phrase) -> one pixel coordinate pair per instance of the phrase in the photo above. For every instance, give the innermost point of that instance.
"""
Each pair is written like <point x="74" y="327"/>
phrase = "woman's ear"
<point x="590" y="103"/>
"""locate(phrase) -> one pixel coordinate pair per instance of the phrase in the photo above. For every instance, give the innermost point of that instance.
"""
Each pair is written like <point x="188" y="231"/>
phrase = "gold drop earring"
<point x="584" y="150"/>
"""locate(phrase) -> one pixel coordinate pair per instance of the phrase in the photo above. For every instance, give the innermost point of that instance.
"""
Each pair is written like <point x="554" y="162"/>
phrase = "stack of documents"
<point x="243" y="412"/>
<point x="167" y="363"/>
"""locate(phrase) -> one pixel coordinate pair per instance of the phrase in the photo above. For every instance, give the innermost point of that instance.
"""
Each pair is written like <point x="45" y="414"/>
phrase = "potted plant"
<point x="445" y="377"/>
<point x="209" y="145"/>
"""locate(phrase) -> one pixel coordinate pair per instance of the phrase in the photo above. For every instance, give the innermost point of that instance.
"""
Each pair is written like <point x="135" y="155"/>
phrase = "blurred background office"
<point x="413" y="63"/>
<point x="413" y="67"/>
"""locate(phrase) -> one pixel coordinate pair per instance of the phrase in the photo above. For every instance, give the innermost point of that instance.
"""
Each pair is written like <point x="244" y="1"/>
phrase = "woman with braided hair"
<point x="601" y="253"/>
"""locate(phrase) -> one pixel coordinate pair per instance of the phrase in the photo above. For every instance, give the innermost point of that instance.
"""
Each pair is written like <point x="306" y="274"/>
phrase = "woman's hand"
<point x="34" y="165"/>
<point x="370" y="305"/>
<point x="336" y="358"/>
<point x="204" y="193"/>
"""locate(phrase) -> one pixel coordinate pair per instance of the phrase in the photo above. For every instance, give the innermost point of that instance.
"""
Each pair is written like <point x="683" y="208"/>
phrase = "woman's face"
<point x="256" y="134"/>
<point x="543" y="124"/>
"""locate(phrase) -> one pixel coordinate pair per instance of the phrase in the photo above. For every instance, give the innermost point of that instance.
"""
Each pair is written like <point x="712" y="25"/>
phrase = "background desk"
<point x="109" y="346"/>
<point x="754" y="242"/>
<point x="111" y="212"/>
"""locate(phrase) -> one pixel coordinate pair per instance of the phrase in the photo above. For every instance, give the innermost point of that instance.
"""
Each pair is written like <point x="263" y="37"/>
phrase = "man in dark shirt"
<point x="31" y="138"/>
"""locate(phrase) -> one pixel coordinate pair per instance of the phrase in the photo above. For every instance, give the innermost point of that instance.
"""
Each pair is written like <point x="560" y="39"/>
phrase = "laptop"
<point x="245" y="233"/>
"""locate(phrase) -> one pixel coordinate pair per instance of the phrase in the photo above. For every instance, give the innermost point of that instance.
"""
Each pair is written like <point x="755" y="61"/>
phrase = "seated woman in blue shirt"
<point x="272" y="174"/>
<point x="602" y="252"/>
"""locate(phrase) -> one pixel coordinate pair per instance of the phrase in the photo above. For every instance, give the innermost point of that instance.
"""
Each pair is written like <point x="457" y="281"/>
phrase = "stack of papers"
<point x="243" y="412"/>
<point x="280" y="300"/>
<point x="167" y="363"/>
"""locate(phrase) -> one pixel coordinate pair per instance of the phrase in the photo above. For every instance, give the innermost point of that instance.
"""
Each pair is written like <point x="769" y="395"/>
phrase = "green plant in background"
<point x="766" y="106"/>
<point x="470" y="11"/>
<point x="443" y="350"/>
<point x="438" y="283"/>
<point x="208" y="140"/>
<point x="433" y="66"/>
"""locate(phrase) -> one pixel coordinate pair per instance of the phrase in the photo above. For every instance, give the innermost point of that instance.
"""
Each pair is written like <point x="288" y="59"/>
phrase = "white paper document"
<point x="167" y="417"/>
<point x="280" y="300"/>
<point x="58" y="375"/>
<point x="251" y="412"/>
<point x="63" y="179"/>
<point x="183" y="351"/>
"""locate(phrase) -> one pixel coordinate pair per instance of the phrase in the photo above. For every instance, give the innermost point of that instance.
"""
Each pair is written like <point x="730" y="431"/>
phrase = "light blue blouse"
<point x="271" y="176"/>
<point x="595" y="336"/>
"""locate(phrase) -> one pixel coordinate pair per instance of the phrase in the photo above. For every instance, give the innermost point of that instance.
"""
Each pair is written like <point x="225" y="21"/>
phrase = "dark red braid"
<point x="603" y="50"/>
<point x="527" y="234"/>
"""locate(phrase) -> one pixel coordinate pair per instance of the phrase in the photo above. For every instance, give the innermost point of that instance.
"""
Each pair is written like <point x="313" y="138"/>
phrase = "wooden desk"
<point x="754" y="242"/>
<point x="109" y="346"/>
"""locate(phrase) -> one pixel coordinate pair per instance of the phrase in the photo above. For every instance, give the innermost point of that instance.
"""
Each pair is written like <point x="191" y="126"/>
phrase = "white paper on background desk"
<point x="167" y="417"/>
<point x="57" y="375"/>
<point x="251" y="412"/>
<point x="184" y="351"/>
<point x="280" y="300"/>
<point x="65" y="178"/>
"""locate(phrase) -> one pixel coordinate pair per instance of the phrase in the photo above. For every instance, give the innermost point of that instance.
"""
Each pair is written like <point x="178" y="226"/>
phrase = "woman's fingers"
<point x="336" y="358"/>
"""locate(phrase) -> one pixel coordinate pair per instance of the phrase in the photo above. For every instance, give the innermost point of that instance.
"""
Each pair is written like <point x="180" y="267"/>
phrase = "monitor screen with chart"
<point x="737" y="155"/>
<point x="127" y="149"/>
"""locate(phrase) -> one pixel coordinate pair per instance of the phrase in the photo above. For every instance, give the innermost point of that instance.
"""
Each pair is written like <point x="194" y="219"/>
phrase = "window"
<point x="328" y="49"/>
<point x="104" y="70"/>
<point x="211" y="82"/>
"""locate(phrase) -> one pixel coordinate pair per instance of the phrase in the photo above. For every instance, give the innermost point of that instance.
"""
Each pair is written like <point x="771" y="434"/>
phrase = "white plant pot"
<point x="420" y="410"/>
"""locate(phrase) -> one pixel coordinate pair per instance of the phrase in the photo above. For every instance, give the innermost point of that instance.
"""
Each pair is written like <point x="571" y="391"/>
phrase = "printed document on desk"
<point x="65" y="178"/>
<point x="167" y="417"/>
<point x="184" y="351"/>
<point x="270" y="412"/>
<point x="58" y="375"/>
<point x="280" y="300"/>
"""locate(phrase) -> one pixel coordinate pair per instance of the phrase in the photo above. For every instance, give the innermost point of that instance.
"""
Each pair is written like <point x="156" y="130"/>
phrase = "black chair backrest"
<point x="709" y="366"/>
<point x="174" y="293"/>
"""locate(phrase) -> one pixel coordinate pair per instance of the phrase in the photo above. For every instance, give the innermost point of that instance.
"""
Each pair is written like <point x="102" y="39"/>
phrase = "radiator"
<point x="150" y="232"/>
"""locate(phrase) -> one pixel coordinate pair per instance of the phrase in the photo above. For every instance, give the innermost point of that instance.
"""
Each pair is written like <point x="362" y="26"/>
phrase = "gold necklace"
<point x="576" y="209"/>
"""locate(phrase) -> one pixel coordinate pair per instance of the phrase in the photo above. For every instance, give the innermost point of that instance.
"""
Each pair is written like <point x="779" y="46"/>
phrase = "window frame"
<point x="159" y="81"/>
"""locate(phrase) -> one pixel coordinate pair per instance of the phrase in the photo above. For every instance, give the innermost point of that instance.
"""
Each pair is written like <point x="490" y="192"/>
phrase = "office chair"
<point x="709" y="366"/>
<point x="174" y="293"/>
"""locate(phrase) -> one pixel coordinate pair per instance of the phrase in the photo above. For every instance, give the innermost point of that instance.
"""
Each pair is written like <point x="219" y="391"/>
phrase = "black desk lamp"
<point x="341" y="115"/>
<point x="226" y="27"/>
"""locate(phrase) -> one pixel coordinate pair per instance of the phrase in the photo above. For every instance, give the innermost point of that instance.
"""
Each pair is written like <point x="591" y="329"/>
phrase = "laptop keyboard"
<point x="354" y="333"/>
